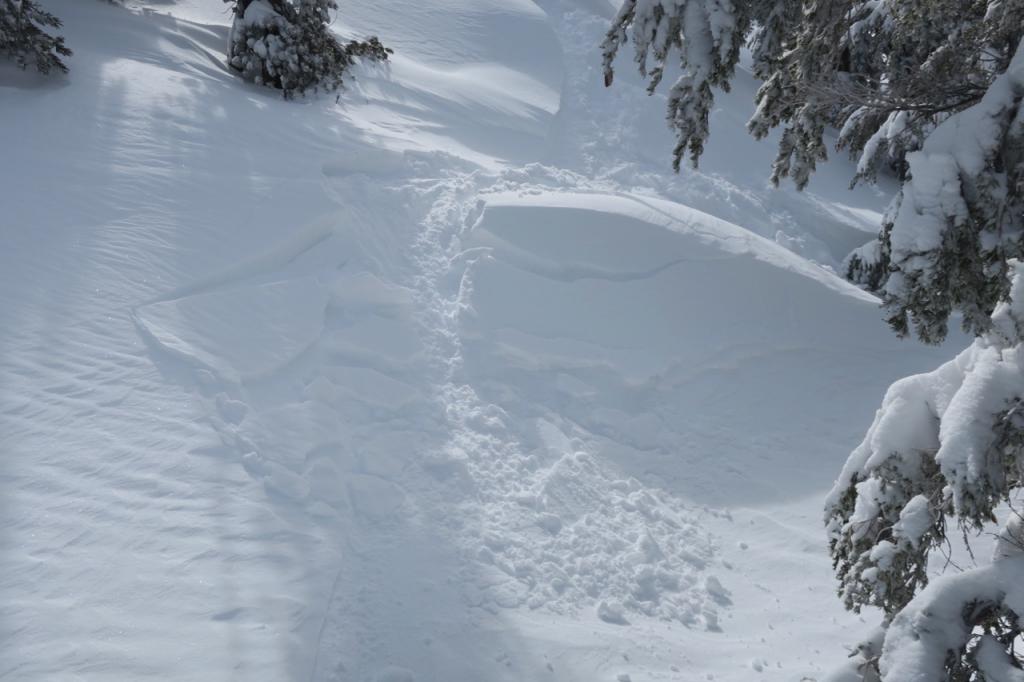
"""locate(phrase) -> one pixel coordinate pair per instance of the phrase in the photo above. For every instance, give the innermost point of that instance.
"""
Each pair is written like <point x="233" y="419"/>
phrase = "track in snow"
<point x="364" y="432"/>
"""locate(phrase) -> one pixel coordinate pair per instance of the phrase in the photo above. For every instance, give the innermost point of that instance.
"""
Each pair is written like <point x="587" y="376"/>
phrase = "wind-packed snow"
<point x="451" y="379"/>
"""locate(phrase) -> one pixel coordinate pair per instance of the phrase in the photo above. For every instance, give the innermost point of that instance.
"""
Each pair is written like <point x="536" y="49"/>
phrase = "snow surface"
<point x="448" y="380"/>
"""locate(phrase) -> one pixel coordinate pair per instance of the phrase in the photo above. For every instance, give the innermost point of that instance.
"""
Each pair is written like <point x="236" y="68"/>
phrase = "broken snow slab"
<point x="242" y="333"/>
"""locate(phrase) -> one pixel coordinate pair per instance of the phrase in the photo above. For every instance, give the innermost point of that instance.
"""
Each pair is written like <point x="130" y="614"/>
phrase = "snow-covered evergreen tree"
<point x="288" y="45"/>
<point x="945" y="450"/>
<point x="933" y="91"/>
<point x="23" y="36"/>
<point x="883" y="72"/>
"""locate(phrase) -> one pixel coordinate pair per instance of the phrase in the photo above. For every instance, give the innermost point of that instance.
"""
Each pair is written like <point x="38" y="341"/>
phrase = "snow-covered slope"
<point x="448" y="380"/>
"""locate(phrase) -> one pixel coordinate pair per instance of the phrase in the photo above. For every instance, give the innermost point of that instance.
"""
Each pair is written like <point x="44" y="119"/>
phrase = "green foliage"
<point x="705" y="35"/>
<point x="875" y="563"/>
<point x="23" y="36"/>
<point x="287" y="45"/>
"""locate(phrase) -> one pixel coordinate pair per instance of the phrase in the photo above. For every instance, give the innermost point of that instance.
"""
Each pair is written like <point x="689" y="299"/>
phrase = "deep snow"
<point x="449" y="380"/>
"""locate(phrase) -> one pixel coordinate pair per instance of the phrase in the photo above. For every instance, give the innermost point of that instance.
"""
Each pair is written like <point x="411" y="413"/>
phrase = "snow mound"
<point x="657" y="329"/>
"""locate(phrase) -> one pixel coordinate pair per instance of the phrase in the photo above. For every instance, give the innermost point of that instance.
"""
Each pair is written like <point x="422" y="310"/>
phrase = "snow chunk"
<point x="612" y="612"/>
